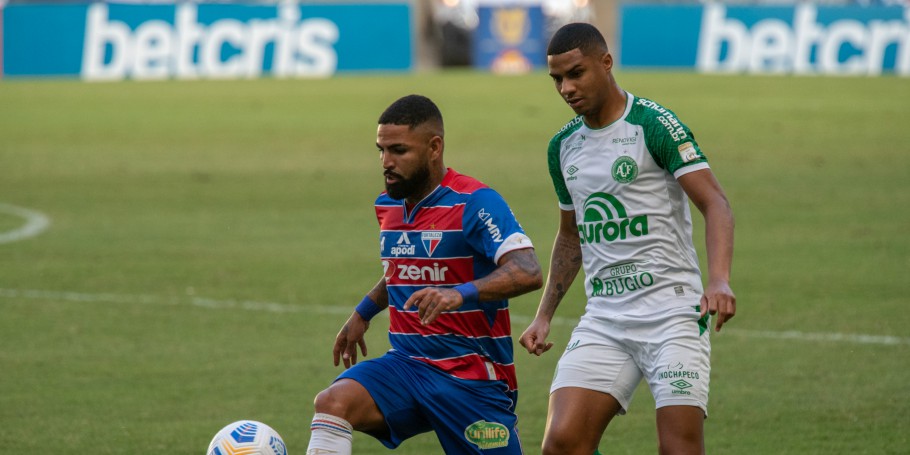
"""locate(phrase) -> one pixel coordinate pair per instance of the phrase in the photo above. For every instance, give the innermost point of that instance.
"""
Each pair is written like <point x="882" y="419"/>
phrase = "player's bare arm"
<point x="706" y="193"/>
<point x="518" y="273"/>
<point x="351" y="334"/>
<point x="565" y="262"/>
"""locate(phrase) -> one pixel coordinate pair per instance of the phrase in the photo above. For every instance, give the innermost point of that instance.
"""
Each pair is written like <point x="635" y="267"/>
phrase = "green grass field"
<point x="208" y="239"/>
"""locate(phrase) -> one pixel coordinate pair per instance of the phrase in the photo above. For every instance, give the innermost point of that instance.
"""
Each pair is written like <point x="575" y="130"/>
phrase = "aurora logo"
<point x="605" y="220"/>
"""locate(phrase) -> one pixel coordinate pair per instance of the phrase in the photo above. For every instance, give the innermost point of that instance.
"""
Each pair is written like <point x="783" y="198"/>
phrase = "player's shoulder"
<point x="463" y="189"/>
<point x="657" y="120"/>
<point x="567" y="130"/>
<point x="645" y="109"/>
<point x="462" y="184"/>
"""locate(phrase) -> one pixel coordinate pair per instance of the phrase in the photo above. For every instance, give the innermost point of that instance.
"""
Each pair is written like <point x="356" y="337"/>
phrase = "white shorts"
<point x="672" y="353"/>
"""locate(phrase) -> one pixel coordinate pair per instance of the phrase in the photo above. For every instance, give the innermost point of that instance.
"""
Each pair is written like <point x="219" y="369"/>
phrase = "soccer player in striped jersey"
<point x="452" y="253"/>
<point x="624" y="171"/>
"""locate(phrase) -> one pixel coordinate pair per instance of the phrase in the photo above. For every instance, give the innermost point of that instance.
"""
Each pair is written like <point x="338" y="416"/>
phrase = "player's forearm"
<point x="379" y="294"/>
<point x="719" y="223"/>
<point x="518" y="273"/>
<point x="565" y="262"/>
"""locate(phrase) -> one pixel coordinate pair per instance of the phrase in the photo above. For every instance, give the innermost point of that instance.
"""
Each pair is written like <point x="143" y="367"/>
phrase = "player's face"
<point x="581" y="80"/>
<point x="405" y="155"/>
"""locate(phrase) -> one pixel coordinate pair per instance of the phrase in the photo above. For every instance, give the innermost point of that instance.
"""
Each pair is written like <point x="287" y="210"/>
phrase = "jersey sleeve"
<point x="559" y="182"/>
<point x="490" y="227"/>
<point x="672" y="144"/>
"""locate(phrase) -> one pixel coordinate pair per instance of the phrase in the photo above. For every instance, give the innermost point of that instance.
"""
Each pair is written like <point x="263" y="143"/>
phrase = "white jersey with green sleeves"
<point x="633" y="216"/>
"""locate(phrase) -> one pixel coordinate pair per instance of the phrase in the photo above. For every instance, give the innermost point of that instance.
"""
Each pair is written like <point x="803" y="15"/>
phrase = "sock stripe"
<point x="330" y="426"/>
<point x="328" y="422"/>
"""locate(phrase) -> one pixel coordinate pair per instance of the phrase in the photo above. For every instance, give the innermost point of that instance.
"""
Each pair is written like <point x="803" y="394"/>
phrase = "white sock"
<point x="330" y="435"/>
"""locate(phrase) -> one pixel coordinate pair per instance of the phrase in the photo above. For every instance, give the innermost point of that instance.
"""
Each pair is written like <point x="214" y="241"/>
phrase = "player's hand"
<point x="431" y="302"/>
<point x="534" y="338"/>
<point x="719" y="301"/>
<point x="349" y="337"/>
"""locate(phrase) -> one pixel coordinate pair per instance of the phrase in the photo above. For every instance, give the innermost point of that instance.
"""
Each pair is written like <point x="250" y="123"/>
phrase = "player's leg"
<point x="470" y="417"/>
<point x="373" y="397"/>
<point x="343" y="407"/>
<point x="678" y="371"/>
<point x="594" y="381"/>
<point x="348" y="399"/>
<point x="576" y="420"/>
<point x="680" y="430"/>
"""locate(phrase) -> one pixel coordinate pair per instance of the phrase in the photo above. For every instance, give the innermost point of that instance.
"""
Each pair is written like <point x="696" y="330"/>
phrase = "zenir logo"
<point x="605" y="220"/>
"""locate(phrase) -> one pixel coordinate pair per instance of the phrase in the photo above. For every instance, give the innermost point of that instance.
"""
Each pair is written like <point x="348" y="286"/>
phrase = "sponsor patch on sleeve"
<point x="687" y="152"/>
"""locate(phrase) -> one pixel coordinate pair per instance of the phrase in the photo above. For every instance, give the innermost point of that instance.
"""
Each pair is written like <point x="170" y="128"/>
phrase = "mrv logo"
<point x="605" y="220"/>
<point x="225" y="48"/>
<point x="492" y="228"/>
<point x="771" y="45"/>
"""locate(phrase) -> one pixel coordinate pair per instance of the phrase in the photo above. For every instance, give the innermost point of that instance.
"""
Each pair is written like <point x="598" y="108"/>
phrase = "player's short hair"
<point x="577" y="35"/>
<point x="412" y="110"/>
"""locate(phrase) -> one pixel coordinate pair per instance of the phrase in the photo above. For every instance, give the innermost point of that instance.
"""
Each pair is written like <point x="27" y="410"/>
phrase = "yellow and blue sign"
<point x="510" y="39"/>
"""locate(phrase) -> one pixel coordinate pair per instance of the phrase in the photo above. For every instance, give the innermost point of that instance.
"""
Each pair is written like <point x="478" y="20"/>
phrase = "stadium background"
<point x="179" y="254"/>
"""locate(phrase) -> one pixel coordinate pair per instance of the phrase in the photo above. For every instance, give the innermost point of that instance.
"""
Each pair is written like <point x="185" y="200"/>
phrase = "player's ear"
<point x="607" y="61"/>
<point x="436" y="146"/>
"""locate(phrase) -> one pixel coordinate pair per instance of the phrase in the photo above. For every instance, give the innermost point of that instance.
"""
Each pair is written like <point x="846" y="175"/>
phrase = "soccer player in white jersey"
<point x="624" y="170"/>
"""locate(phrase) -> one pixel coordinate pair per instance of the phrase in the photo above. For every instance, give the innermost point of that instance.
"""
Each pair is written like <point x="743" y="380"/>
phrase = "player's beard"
<point x="409" y="187"/>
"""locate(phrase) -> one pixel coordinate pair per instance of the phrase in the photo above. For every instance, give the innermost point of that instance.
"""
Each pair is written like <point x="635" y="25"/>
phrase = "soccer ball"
<point x="247" y="437"/>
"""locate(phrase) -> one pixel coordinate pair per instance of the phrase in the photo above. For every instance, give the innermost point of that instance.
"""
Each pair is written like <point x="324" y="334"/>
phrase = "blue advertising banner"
<point x="110" y="41"/>
<point x="798" y="39"/>
<point x="1" y="39"/>
<point x="509" y="39"/>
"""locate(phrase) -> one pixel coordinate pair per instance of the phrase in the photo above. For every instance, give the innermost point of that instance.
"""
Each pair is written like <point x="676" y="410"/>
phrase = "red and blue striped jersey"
<point x="455" y="235"/>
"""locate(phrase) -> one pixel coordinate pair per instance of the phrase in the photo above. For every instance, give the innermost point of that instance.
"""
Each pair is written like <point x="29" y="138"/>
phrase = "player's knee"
<point x="680" y="446"/>
<point x="681" y="443"/>
<point x="329" y="401"/>
<point x="564" y="444"/>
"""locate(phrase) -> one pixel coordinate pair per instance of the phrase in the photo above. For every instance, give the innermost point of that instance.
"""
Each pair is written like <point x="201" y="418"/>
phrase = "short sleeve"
<point x="490" y="227"/>
<point x="670" y="142"/>
<point x="554" y="165"/>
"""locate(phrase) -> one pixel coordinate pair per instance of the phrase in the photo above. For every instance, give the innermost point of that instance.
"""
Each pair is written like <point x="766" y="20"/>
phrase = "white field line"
<point x="35" y="223"/>
<point x="344" y="310"/>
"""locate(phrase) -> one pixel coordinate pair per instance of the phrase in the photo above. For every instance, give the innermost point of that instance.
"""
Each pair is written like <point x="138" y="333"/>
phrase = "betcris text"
<point x="224" y="49"/>
<point x="804" y="45"/>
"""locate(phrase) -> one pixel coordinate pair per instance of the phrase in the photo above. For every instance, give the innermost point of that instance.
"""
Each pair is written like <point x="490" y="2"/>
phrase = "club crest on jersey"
<point x="431" y="240"/>
<point x="624" y="169"/>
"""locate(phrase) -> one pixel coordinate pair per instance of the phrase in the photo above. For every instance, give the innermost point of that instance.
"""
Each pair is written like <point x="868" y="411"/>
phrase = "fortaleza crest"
<point x="430" y="241"/>
<point x="625" y="169"/>
<point x="487" y="435"/>
<point x="605" y="220"/>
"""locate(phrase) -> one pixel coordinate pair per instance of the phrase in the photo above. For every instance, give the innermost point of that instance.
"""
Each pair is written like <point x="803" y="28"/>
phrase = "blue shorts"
<point x="469" y="417"/>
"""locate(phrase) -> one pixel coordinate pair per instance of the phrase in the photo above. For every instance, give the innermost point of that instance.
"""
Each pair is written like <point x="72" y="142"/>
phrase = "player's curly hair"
<point x="577" y="35"/>
<point x="411" y="110"/>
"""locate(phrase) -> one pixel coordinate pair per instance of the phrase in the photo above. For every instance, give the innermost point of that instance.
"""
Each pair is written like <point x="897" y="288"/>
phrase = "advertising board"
<point x="110" y="41"/>
<point x="797" y="39"/>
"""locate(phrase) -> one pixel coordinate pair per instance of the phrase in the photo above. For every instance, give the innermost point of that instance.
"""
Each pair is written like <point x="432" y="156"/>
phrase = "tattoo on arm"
<point x="380" y="294"/>
<point x="565" y="263"/>
<point x="518" y="273"/>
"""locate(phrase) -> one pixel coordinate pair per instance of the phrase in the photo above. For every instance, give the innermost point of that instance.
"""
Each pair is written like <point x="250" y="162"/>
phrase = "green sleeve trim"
<point x="669" y="140"/>
<point x="554" y="152"/>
